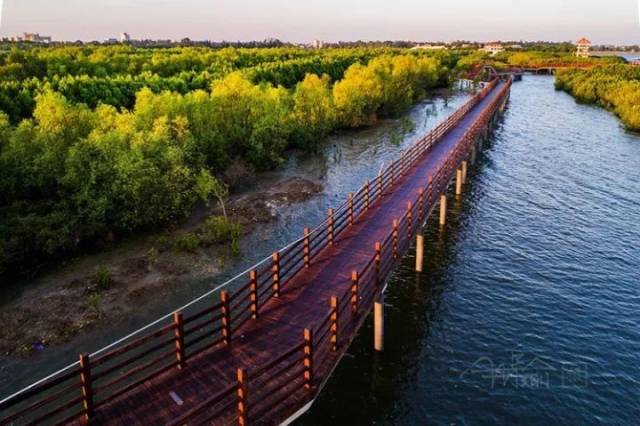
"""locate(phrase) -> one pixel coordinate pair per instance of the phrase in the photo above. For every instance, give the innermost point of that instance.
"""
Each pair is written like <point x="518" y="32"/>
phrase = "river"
<point x="527" y="309"/>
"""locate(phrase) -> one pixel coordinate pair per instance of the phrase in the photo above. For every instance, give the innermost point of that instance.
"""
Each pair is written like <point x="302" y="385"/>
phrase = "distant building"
<point x="125" y="38"/>
<point x="582" y="48"/>
<point x="493" y="48"/>
<point x="430" y="46"/>
<point x="111" y="40"/>
<point x="35" y="38"/>
<point x="317" y="44"/>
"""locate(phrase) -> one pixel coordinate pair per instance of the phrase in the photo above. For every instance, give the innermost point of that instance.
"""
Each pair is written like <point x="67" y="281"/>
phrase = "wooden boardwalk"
<point x="261" y="353"/>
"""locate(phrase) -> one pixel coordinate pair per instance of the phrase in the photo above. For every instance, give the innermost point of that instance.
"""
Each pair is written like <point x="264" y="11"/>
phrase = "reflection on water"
<point x="528" y="310"/>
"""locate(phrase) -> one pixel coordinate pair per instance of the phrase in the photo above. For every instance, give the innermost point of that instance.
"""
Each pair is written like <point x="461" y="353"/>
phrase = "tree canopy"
<point x="98" y="141"/>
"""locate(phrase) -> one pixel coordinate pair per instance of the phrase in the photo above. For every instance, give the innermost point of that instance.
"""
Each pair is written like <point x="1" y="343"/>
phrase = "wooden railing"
<point x="170" y="342"/>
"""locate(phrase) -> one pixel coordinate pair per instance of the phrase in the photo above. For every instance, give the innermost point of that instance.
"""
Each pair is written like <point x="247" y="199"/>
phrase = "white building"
<point x="125" y="38"/>
<point x="35" y="38"/>
<point x="317" y="44"/>
<point x="582" y="48"/>
<point x="430" y="47"/>
<point x="493" y="48"/>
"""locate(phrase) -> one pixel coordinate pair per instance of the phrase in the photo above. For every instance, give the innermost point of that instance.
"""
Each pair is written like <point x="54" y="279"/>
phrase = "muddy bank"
<point x="105" y="287"/>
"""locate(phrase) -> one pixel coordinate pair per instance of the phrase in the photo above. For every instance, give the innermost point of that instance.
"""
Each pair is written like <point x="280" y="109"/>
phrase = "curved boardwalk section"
<point x="260" y="350"/>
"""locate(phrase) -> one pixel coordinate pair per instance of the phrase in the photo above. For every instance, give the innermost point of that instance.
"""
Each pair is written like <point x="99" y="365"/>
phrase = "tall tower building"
<point x="583" y="47"/>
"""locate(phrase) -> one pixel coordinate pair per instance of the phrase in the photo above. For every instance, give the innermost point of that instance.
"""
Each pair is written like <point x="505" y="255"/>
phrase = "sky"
<point x="603" y="22"/>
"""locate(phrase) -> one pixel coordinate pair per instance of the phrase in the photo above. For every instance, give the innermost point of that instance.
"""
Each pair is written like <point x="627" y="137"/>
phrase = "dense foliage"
<point x="616" y="87"/>
<point x="98" y="141"/>
<point x="113" y="75"/>
<point x="535" y="59"/>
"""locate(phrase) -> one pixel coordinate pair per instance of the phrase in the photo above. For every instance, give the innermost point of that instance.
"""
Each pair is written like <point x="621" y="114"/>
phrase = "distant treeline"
<point x="616" y="87"/>
<point x="96" y="141"/>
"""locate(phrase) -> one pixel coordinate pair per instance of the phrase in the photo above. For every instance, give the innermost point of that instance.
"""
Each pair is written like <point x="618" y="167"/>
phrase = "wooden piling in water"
<point x="419" y="251"/>
<point x="464" y="172"/>
<point x="378" y="324"/>
<point x="458" y="181"/>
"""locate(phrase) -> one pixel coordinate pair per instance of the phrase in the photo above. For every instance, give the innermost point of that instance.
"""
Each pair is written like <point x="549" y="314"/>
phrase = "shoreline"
<point x="141" y="269"/>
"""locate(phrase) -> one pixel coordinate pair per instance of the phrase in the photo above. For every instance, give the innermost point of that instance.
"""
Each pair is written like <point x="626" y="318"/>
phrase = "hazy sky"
<point x="611" y="21"/>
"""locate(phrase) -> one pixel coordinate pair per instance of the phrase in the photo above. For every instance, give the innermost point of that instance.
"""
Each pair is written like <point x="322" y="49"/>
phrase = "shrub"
<point x="187" y="242"/>
<point x="103" y="278"/>
<point x="95" y="303"/>
<point x="218" y="229"/>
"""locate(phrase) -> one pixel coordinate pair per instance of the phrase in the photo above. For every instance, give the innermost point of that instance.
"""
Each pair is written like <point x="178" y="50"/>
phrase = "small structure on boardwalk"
<point x="583" y="46"/>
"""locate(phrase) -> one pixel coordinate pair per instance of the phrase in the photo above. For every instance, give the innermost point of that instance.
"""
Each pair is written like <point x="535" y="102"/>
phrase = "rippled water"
<point x="528" y="311"/>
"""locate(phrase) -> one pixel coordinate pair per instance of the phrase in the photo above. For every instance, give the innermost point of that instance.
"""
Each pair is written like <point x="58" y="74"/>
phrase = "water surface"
<point x="528" y="312"/>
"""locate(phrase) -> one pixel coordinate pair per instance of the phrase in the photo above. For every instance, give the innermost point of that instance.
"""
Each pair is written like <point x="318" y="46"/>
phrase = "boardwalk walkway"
<point x="261" y="353"/>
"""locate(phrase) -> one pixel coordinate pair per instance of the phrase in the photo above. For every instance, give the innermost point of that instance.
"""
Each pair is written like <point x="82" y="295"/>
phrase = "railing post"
<point x="334" y="323"/>
<point x="420" y="204"/>
<point x="307" y="248"/>
<point x="395" y="238"/>
<point x="379" y="183"/>
<point x="85" y="381"/>
<point x="402" y="162"/>
<point x="331" y="226"/>
<point x="409" y="219"/>
<point x="393" y="172"/>
<point x="226" y="317"/>
<point x="253" y="292"/>
<point x="178" y="323"/>
<point x="308" y="358"/>
<point x="366" y="195"/>
<point x="275" y="273"/>
<point x="242" y="397"/>
<point x="355" y="279"/>
<point x="378" y="248"/>
<point x="350" y="208"/>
